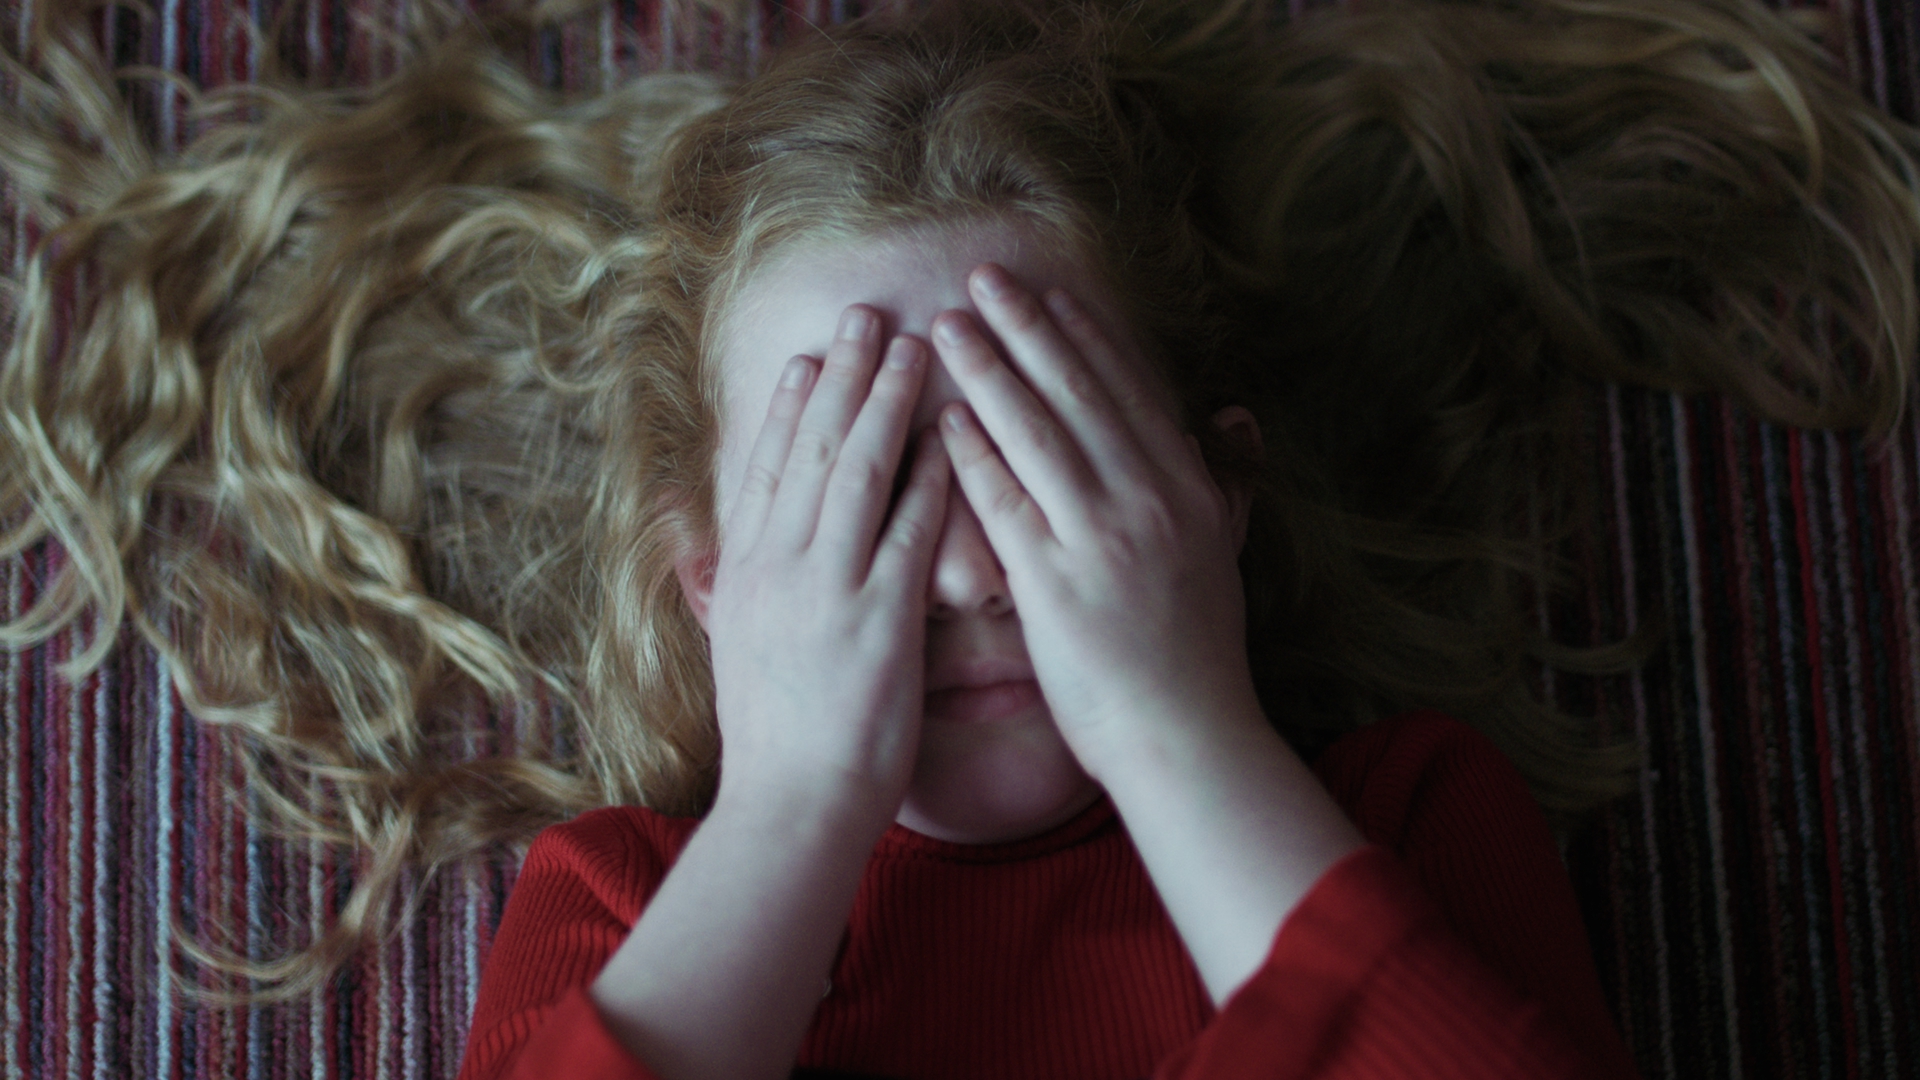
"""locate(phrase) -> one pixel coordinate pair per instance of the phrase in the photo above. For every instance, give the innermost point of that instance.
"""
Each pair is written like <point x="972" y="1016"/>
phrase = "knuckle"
<point x="849" y="356"/>
<point x="1219" y="509"/>
<point x="900" y="388"/>
<point x="789" y="402"/>
<point x="840" y="372"/>
<point x="1081" y="387"/>
<point x="759" y="481"/>
<point x="1143" y="522"/>
<point x="968" y="450"/>
<point x="1008" y="500"/>
<point x="910" y="532"/>
<point x="858" y="478"/>
<point x="813" y="449"/>
<point x="1040" y="431"/>
<point x="1158" y="522"/>
<point x="1023" y="312"/>
<point x="843" y="361"/>
<point x="1068" y="313"/>
<point x="976" y="360"/>
<point x="1118" y="555"/>
<point x="959" y="458"/>
<point x="1131" y="396"/>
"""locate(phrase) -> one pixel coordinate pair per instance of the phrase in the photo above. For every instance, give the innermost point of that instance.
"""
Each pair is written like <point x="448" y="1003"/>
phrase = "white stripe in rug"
<point x="76" y="840"/>
<point x="163" y="737"/>
<point x="317" y="1001"/>
<point x="103" y="908"/>
<point x="1857" y="776"/>
<point x="1709" y="768"/>
<point x="10" y="763"/>
<point x="1650" y="836"/>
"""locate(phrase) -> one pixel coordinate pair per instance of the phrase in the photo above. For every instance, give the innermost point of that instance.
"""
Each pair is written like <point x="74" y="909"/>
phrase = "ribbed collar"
<point x="900" y="842"/>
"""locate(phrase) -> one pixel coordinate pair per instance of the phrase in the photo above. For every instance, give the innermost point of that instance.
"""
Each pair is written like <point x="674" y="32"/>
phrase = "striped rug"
<point x="1753" y="908"/>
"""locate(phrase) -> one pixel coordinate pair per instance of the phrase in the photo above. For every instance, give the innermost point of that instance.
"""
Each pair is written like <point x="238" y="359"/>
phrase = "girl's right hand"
<point x="818" y="633"/>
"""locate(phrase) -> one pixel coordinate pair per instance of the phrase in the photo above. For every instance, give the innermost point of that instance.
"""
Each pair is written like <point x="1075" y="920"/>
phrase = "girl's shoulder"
<point x="620" y="853"/>
<point x="1392" y="772"/>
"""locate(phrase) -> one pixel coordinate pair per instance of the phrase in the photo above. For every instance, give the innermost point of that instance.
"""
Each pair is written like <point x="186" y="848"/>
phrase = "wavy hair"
<point x="375" y="402"/>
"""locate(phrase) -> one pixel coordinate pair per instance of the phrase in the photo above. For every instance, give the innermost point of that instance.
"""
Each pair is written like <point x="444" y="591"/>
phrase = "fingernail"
<point x="903" y="353"/>
<point x="949" y="331"/>
<point x="796" y="374"/>
<point x="993" y="281"/>
<point x="854" y="324"/>
<point x="1060" y="304"/>
<point x="956" y="420"/>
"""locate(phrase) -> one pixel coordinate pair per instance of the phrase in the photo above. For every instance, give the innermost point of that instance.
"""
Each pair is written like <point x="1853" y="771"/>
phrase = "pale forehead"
<point x="792" y="305"/>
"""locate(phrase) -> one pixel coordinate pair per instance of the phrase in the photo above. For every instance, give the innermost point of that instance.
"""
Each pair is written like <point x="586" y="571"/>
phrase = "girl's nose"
<point x="967" y="578"/>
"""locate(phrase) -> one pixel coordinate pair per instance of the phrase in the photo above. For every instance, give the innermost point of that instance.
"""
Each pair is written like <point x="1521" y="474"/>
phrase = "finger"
<point x="841" y="388"/>
<point x="1075" y="389"/>
<point x="766" y="463"/>
<point x="858" y="490"/>
<point x="905" y="552"/>
<point x="1045" y="458"/>
<point x="1012" y="520"/>
<point x="1139" y="394"/>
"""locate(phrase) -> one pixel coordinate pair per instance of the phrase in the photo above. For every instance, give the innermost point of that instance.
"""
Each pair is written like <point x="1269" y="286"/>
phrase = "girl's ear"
<point x="1239" y="426"/>
<point x="696" y="582"/>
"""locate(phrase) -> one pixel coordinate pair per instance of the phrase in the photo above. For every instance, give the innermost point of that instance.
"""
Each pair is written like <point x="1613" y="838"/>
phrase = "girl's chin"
<point x="995" y="782"/>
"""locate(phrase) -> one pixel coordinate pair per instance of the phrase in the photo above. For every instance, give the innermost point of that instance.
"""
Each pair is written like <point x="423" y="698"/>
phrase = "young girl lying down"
<point x="1030" y="515"/>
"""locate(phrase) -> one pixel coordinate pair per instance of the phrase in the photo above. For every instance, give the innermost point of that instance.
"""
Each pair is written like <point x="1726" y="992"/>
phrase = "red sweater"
<point x="1450" y="946"/>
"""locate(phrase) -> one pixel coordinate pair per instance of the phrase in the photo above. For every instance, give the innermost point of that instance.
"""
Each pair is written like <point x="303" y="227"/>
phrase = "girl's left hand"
<point x="1117" y="543"/>
<point x="1120" y="552"/>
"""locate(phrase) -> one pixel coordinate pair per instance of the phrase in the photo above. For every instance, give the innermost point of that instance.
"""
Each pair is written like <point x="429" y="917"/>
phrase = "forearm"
<point x="1234" y="829"/>
<point x="723" y="972"/>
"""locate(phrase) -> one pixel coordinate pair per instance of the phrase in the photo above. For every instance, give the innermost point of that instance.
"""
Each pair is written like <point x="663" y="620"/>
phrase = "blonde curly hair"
<point x="374" y="399"/>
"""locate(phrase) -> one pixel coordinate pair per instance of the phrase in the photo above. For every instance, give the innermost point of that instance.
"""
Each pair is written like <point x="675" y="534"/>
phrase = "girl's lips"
<point x="980" y="704"/>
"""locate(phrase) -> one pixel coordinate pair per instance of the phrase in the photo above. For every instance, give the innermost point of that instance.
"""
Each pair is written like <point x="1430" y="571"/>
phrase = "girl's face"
<point x="974" y="782"/>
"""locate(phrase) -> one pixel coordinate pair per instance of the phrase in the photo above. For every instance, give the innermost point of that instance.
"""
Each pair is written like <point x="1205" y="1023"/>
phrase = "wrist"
<point x="1233" y="827"/>
<point x="802" y="808"/>
<point x="722" y="971"/>
<point x="1155" y="743"/>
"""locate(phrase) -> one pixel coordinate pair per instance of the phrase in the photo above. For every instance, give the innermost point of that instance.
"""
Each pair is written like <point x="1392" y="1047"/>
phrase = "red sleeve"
<point x="1450" y="946"/>
<point x="581" y="887"/>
